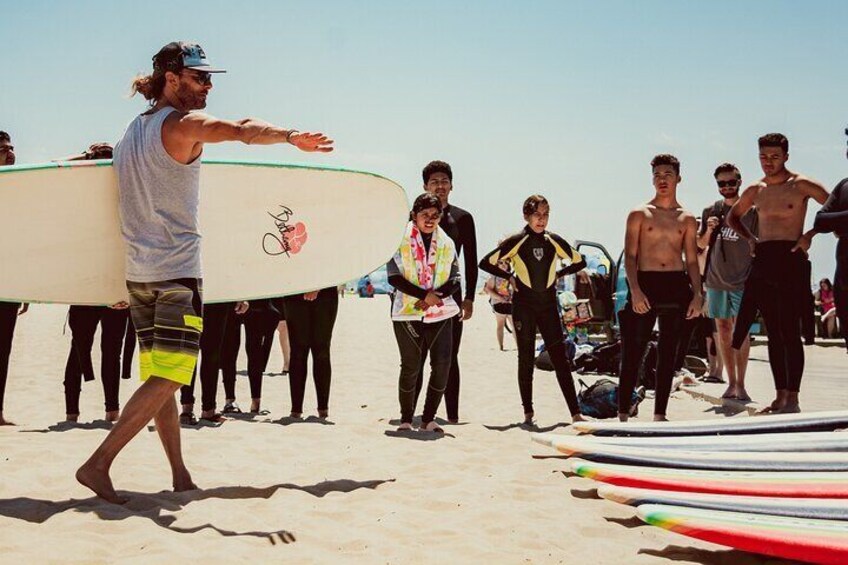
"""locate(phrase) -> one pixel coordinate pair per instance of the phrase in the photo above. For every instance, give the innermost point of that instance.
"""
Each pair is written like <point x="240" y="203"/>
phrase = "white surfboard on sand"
<point x="267" y="230"/>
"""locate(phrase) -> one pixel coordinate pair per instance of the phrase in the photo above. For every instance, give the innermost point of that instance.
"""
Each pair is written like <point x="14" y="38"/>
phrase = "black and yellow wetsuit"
<point x="534" y="258"/>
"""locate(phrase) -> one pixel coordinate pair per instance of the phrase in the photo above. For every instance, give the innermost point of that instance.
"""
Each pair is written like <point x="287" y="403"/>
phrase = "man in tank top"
<point x="158" y="166"/>
<point x="779" y="283"/>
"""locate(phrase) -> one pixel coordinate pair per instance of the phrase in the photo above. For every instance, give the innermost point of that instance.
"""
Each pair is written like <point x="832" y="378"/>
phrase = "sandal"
<point x="188" y="419"/>
<point x="231" y="408"/>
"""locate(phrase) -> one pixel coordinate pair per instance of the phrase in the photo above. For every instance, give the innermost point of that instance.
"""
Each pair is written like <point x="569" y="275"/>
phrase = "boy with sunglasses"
<point x="728" y="264"/>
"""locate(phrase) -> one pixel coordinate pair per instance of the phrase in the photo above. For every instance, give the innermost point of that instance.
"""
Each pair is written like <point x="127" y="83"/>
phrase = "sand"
<point x="309" y="492"/>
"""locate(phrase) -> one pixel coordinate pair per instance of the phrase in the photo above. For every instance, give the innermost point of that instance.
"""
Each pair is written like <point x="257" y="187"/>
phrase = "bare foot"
<point x="660" y="418"/>
<point x="72" y="417"/>
<point x="405" y="427"/>
<point x="432" y="427"/>
<point x="255" y="405"/>
<point x="99" y="482"/>
<point x="113" y="415"/>
<point x="183" y="482"/>
<point x="729" y="393"/>
<point x="323" y="414"/>
<point x="528" y="418"/>
<point x="4" y="422"/>
<point x="296" y="415"/>
<point x="774" y="408"/>
<point x="579" y="418"/>
<point x="622" y="417"/>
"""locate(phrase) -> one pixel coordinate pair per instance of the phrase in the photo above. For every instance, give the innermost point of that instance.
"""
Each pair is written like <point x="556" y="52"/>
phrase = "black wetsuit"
<point x="833" y="217"/>
<point x="459" y="225"/>
<point x="215" y="320"/>
<point x="534" y="258"/>
<point x="778" y="287"/>
<point x="416" y="339"/>
<point x="260" y="326"/>
<point x="669" y="294"/>
<point x="8" y="319"/>
<point x="114" y="326"/>
<point x="310" y="325"/>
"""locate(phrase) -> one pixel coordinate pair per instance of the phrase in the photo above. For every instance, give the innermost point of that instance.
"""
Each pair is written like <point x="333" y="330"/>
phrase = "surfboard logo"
<point x="288" y="239"/>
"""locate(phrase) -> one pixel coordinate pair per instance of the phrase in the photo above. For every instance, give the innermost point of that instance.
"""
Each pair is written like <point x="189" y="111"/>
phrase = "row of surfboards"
<point x="775" y="485"/>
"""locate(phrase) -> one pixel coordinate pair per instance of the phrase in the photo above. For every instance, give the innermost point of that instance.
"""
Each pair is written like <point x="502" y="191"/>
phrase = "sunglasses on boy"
<point x="727" y="183"/>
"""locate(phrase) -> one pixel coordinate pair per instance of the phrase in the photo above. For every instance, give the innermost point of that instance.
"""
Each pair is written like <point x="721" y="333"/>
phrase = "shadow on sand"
<point x="526" y="427"/>
<point x="711" y="556"/>
<point x="159" y="508"/>
<point x="65" y="426"/>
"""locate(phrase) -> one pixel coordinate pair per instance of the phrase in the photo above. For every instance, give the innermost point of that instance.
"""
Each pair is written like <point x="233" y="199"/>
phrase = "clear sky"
<point x="567" y="99"/>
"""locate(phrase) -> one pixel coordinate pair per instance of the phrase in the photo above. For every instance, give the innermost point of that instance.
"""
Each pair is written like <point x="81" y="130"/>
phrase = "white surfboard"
<point x="268" y="230"/>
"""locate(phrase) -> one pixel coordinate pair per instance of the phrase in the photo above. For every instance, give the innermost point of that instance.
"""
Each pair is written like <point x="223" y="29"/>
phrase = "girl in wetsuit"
<point x="534" y="254"/>
<point x="425" y="275"/>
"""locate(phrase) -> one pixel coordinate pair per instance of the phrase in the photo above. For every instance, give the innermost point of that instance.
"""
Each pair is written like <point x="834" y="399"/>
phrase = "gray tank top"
<point x="158" y="202"/>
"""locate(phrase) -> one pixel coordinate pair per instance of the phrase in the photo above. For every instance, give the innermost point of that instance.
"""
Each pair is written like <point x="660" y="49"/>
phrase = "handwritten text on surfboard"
<point x="288" y="239"/>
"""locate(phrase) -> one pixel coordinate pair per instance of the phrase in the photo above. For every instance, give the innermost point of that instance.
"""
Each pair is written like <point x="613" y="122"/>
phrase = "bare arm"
<point x="738" y="211"/>
<point x="815" y="190"/>
<point x="203" y="128"/>
<point x="631" y="261"/>
<point x="690" y="250"/>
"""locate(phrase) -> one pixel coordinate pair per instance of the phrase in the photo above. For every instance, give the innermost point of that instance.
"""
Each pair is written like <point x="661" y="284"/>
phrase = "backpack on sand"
<point x="600" y="400"/>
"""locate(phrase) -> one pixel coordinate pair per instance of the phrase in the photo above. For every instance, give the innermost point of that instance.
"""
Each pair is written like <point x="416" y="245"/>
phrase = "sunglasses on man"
<point x="727" y="183"/>
<point x="201" y="77"/>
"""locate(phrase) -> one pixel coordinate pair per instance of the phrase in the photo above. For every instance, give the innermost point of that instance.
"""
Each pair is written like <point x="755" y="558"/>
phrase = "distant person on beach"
<point x="458" y="224"/>
<point x="158" y="166"/>
<point x="825" y="299"/>
<point x="661" y="262"/>
<point x="833" y="217"/>
<point x="311" y="319"/>
<point x="534" y="254"/>
<point x="114" y="325"/>
<point x="779" y="283"/>
<point x="500" y="299"/>
<point x="425" y="275"/>
<point x="728" y="265"/>
<point x="9" y="311"/>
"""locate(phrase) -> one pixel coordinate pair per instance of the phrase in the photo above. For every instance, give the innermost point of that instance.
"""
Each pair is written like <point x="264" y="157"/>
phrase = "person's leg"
<point x="551" y="329"/>
<point x="635" y="334"/>
<point x="73" y="385"/>
<point x="325" y="310"/>
<point x="452" y="387"/>
<point x="299" y="320"/>
<point x="500" y="319"/>
<point x="254" y="333"/>
<point x="215" y="317"/>
<point x="168" y="318"/>
<point x="728" y="357"/>
<point x="8" y="319"/>
<point x="229" y="359"/>
<point x="129" y="347"/>
<point x="285" y="348"/>
<point x="113" y="325"/>
<point x="438" y="339"/>
<point x="671" y="322"/>
<point x="525" y="336"/>
<point x="410" y="339"/>
<point x="83" y="322"/>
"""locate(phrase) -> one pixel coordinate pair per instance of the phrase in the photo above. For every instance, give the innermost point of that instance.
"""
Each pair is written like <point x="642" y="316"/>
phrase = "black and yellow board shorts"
<point x="168" y="319"/>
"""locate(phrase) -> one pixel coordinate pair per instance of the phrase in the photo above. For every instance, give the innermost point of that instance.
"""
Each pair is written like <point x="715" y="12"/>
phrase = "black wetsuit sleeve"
<point x="705" y="215"/>
<point x="468" y="235"/>
<point x="452" y="284"/>
<point x="401" y="284"/>
<point x="833" y="216"/>
<point x="570" y="253"/>
<point x="489" y="263"/>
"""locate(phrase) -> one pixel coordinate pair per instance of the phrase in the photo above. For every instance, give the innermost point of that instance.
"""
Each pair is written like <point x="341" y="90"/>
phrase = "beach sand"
<point x="307" y="492"/>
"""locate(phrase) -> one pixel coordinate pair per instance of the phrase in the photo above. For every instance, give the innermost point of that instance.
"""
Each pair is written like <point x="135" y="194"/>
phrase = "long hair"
<point x="150" y="86"/>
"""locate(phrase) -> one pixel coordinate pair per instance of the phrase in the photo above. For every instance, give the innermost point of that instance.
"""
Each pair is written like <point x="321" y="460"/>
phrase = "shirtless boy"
<point x="661" y="261"/>
<point x="779" y="283"/>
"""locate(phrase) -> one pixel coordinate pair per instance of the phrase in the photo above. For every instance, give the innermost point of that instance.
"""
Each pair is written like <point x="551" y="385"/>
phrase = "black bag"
<point x="605" y="359"/>
<point x="601" y="399"/>
<point x="543" y="360"/>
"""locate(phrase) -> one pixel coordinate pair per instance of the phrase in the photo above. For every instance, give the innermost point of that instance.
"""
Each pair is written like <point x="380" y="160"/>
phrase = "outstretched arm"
<point x="203" y="128"/>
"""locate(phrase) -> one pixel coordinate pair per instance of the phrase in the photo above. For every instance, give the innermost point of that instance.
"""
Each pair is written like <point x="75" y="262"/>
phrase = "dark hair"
<point x="532" y="204"/>
<point x="150" y="86"/>
<point x="728" y="168"/>
<point x="5" y="137"/>
<point x="98" y="151"/>
<point x="424" y="201"/>
<point x="434" y="167"/>
<point x="666" y="159"/>
<point x="826" y="280"/>
<point x="774" y="140"/>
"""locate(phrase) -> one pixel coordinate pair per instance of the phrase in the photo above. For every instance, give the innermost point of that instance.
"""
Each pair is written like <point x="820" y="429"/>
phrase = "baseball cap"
<point x="179" y="55"/>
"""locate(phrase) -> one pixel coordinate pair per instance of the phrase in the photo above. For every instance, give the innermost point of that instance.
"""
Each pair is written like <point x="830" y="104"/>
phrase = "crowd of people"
<point x="752" y="242"/>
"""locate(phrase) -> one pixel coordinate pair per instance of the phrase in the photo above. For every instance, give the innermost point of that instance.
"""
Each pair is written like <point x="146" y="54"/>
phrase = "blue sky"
<point x="567" y="99"/>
